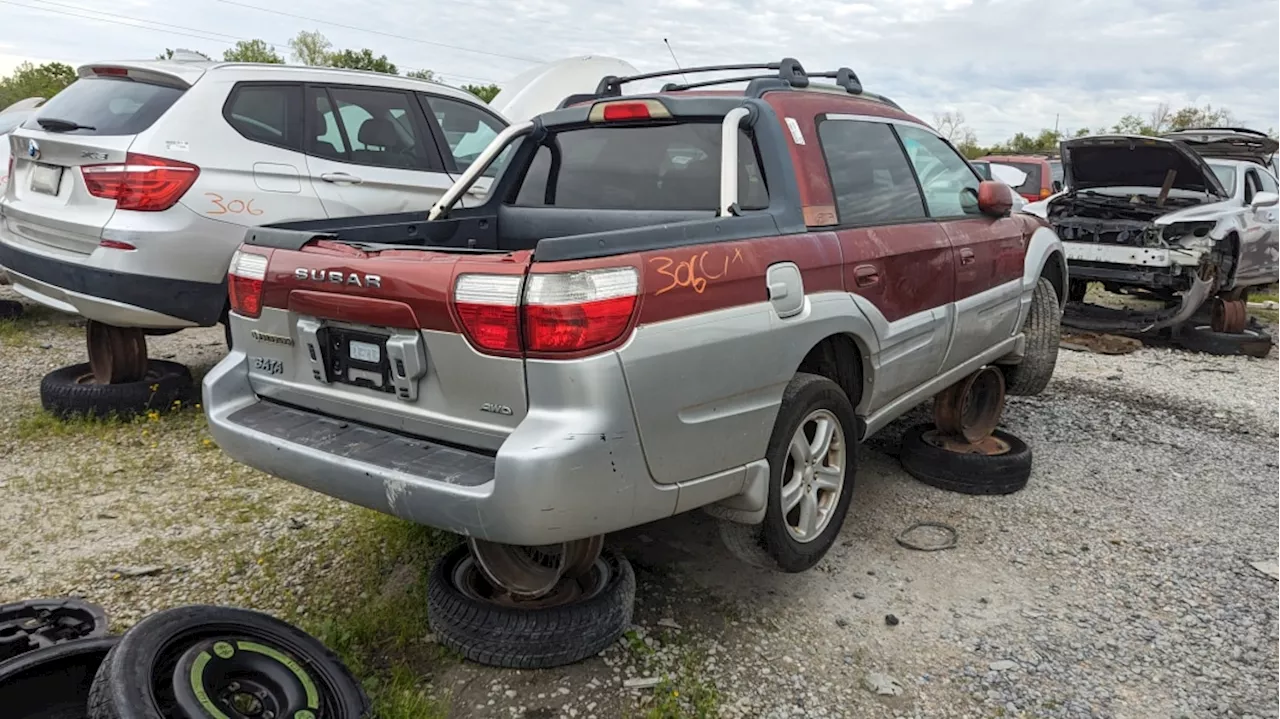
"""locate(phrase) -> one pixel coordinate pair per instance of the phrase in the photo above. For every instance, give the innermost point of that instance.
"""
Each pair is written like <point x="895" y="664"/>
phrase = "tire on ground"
<point x="529" y="638"/>
<point x="1043" y="331"/>
<point x="126" y="684"/>
<point x="966" y="473"/>
<point x="63" y="392"/>
<point x="769" y="545"/>
<point x="52" y="682"/>
<point x="1201" y="338"/>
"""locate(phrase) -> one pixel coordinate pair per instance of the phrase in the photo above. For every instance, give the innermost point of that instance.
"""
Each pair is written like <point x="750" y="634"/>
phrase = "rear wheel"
<point x="812" y="461"/>
<point x="1043" y="331"/>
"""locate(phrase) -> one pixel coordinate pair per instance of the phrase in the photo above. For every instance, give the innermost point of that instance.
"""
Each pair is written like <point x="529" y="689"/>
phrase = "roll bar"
<point x="450" y="197"/>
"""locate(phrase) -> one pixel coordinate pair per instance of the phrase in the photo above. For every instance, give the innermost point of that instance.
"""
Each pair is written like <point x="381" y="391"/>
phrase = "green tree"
<point x="362" y="60"/>
<point x="310" y="48"/>
<point x="30" y="80"/>
<point x="484" y="92"/>
<point x="253" y="51"/>
<point x="1206" y="116"/>
<point x="1132" y="125"/>
<point x="428" y="75"/>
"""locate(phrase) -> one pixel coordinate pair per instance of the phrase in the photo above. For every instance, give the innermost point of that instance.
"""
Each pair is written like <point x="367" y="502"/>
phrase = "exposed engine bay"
<point x="1123" y="220"/>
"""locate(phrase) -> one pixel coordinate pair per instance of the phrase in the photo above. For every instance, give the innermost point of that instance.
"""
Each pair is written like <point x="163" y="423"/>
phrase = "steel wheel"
<point x="532" y="572"/>
<point x="813" y="477"/>
<point x="971" y="408"/>
<point x="116" y="354"/>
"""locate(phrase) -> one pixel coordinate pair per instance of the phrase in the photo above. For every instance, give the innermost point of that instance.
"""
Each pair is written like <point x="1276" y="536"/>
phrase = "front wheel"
<point x="1043" y="331"/>
<point x="812" y="461"/>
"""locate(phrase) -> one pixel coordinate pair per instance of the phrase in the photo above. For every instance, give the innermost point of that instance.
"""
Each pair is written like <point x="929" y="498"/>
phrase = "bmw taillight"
<point x="245" y="277"/>
<point x="143" y="183"/>
<point x="560" y="314"/>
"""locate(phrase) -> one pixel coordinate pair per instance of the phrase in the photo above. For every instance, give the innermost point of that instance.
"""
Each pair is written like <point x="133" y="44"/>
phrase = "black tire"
<point x="528" y="638"/>
<point x="36" y="623"/>
<point x="966" y="473"/>
<point x="1251" y="342"/>
<point x="769" y="545"/>
<point x="1043" y="331"/>
<point x="137" y="678"/>
<point x="53" y="682"/>
<point x="63" y="394"/>
<point x="10" y="309"/>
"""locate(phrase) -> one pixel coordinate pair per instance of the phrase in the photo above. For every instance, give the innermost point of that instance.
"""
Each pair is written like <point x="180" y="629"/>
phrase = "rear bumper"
<point x="572" y="468"/>
<point x="117" y="298"/>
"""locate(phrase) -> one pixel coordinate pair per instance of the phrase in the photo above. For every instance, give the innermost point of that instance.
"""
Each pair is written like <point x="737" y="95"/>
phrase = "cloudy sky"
<point x="1007" y="65"/>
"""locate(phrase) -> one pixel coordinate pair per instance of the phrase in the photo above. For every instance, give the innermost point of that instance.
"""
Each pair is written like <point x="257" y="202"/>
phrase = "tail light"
<point x="567" y="313"/>
<point x="245" y="277"/>
<point x="624" y="110"/>
<point x="142" y="183"/>
<point x="489" y="307"/>
<point x="577" y="311"/>
<point x="1045" y="192"/>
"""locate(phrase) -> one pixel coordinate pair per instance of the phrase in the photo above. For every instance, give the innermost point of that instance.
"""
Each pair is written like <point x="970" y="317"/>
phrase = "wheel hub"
<point x="813" y="476"/>
<point x="1228" y="315"/>
<point x="971" y="408"/>
<point x="242" y="679"/>
<point x="472" y="581"/>
<point x="116" y="354"/>
<point x="529" y="573"/>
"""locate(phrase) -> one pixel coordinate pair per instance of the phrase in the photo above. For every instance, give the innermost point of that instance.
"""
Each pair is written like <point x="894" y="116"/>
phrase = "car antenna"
<point x="677" y="62"/>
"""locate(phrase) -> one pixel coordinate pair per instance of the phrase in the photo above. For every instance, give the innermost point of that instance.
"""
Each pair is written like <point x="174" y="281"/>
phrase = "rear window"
<point x="660" y="167"/>
<point x="1030" y="186"/>
<point x="111" y="106"/>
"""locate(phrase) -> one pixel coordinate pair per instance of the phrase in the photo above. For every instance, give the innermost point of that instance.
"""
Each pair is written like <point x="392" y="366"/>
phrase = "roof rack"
<point x="788" y="74"/>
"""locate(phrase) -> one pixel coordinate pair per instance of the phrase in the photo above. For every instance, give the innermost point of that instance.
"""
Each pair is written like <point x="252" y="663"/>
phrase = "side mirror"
<point x="995" y="199"/>
<point x="1057" y="186"/>
<point x="1264" y="199"/>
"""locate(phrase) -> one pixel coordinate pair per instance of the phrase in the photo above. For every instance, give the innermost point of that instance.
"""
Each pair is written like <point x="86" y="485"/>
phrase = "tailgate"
<point x="371" y="336"/>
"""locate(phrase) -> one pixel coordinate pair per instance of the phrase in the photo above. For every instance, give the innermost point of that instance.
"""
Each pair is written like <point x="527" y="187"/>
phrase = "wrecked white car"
<point x="1154" y="218"/>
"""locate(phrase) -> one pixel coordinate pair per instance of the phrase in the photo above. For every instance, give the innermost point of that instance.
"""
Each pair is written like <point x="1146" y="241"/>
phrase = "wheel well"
<point x="1053" y="271"/>
<point x="838" y="359"/>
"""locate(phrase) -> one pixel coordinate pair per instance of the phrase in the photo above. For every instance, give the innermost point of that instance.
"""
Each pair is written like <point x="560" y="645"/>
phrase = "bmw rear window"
<point x="108" y="105"/>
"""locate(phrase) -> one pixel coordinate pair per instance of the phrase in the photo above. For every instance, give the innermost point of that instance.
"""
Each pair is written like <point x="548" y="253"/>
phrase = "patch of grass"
<point x="20" y="331"/>
<point x="383" y="638"/>
<point x="685" y="695"/>
<point x="1269" y="316"/>
<point x="38" y="424"/>
<point x="1266" y="294"/>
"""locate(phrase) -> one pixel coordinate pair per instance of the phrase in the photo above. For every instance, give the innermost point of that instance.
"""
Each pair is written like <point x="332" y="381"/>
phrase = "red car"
<point x="1039" y="183"/>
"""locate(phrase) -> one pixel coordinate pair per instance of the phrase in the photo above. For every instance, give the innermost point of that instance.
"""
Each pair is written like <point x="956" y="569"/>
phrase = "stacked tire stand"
<point x="963" y="450"/>
<point x="195" y="662"/>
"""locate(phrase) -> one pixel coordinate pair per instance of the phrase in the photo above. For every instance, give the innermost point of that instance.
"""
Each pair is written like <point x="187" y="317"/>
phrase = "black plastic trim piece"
<point x="199" y="302"/>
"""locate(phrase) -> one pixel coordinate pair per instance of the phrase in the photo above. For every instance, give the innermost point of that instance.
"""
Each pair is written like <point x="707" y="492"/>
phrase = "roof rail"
<point x="788" y="74"/>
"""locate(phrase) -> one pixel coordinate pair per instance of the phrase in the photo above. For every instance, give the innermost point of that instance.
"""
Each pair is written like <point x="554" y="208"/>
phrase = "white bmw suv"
<point x="129" y="190"/>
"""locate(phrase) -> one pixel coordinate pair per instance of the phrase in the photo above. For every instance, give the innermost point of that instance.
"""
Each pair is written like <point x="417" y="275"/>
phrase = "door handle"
<point x="340" y="177"/>
<point x="866" y="275"/>
<point x="966" y="256"/>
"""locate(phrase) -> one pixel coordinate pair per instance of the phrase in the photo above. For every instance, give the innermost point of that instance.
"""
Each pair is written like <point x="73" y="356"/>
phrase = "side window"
<point x="869" y="174"/>
<point x="324" y="139"/>
<point x="1252" y="185"/>
<point x="467" y="131"/>
<point x="376" y="127"/>
<point x="1268" y="182"/>
<point x="950" y="187"/>
<point x="269" y="114"/>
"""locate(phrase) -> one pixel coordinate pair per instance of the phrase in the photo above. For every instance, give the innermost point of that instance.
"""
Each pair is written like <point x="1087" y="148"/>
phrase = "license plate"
<point x="46" y="179"/>
<point x="365" y="352"/>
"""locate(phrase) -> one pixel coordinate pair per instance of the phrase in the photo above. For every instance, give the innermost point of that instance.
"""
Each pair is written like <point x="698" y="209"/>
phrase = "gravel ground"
<point x="1118" y="584"/>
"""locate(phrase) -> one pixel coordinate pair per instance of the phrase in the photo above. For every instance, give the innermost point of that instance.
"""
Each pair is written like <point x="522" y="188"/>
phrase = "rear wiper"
<point x="53" y="124"/>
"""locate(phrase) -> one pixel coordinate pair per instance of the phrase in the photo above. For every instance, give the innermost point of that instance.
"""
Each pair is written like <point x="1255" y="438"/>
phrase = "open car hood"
<point x="1135" y="161"/>
<point x="542" y="88"/>
<point x="1228" y="143"/>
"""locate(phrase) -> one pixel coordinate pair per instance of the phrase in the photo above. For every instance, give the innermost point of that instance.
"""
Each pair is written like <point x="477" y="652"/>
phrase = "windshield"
<point x="1226" y="175"/>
